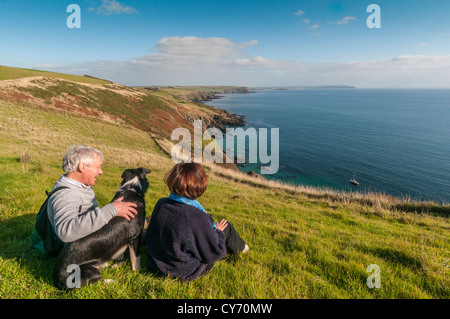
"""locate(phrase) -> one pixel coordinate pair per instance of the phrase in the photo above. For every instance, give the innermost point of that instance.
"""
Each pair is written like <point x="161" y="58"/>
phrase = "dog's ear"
<point x="127" y="173"/>
<point x="144" y="170"/>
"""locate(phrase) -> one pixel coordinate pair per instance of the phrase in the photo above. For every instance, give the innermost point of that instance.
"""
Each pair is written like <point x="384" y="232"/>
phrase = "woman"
<point x="182" y="239"/>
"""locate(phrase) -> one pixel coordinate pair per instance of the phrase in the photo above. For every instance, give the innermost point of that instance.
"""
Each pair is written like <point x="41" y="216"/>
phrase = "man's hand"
<point x="125" y="209"/>
<point x="222" y="225"/>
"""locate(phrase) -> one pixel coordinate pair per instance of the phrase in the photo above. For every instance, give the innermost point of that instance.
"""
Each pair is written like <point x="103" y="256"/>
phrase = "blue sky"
<point x="254" y="43"/>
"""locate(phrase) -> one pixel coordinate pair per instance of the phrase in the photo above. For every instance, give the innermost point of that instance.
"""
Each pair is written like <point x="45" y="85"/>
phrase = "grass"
<point x="158" y="112"/>
<point x="304" y="242"/>
<point x="10" y="73"/>
<point x="137" y="110"/>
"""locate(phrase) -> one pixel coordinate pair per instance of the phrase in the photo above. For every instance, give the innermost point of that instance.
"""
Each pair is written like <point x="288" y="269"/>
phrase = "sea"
<point x="394" y="141"/>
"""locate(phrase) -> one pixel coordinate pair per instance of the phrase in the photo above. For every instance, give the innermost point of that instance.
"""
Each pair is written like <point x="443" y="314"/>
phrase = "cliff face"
<point x="157" y="111"/>
<point x="234" y="90"/>
<point x="221" y="119"/>
<point x="203" y="94"/>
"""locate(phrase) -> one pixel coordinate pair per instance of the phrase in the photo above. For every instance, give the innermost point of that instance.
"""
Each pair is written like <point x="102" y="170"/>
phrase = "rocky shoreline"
<point x="231" y="120"/>
<point x="222" y="119"/>
<point x="203" y="96"/>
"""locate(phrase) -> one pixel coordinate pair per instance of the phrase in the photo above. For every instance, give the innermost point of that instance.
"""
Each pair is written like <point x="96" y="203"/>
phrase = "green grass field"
<point x="301" y="246"/>
<point x="11" y="73"/>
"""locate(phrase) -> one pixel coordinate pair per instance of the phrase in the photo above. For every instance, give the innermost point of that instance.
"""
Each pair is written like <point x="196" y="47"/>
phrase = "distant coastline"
<point x="319" y="87"/>
<point x="201" y="94"/>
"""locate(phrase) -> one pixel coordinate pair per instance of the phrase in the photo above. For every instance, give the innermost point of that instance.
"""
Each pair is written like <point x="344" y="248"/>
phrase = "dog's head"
<point x="135" y="178"/>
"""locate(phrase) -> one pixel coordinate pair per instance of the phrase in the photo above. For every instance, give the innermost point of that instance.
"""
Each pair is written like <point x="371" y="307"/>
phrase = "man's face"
<point x="92" y="171"/>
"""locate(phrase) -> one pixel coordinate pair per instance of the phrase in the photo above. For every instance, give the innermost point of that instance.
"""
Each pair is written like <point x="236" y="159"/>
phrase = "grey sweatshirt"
<point x="74" y="211"/>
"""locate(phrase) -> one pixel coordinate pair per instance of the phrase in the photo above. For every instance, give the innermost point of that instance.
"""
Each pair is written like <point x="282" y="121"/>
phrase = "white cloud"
<point x="47" y="66"/>
<point x="194" y="51"/>
<point x="408" y="71"/>
<point x="221" y="61"/>
<point x="194" y="46"/>
<point x="109" y="7"/>
<point x="308" y="21"/>
<point x="345" y="20"/>
<point x="248" y="44"/>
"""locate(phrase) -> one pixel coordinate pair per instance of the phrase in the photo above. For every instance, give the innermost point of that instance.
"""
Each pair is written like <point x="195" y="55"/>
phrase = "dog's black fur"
<point x="96" y="250"/>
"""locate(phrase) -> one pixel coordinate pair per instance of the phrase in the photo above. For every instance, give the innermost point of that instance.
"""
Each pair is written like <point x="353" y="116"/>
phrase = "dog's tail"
<point x="70" y="275"/>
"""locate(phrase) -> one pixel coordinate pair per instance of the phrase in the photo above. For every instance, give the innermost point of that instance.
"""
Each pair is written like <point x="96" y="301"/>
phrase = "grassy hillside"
<point x="10" y="73"/>
<point x="304" y="242"/>
<point x="157" y="112"/>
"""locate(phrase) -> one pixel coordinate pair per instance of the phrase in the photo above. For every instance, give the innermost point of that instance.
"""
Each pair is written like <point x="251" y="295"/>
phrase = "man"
<point x="74" y="211"/>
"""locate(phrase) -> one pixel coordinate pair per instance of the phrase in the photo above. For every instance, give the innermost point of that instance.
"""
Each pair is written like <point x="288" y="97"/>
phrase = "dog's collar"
<point x="129" y="188"/>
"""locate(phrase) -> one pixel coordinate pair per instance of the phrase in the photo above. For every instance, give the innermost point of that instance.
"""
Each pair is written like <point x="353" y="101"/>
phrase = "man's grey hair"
<point x="79" y="154"/>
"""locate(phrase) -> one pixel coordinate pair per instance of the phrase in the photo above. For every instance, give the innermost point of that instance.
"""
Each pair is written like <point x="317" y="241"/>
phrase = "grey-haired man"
<point x="74" y="211"/>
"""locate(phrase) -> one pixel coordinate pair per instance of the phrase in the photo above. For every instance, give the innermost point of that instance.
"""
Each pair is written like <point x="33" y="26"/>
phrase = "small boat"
<point x="354" y="181"/>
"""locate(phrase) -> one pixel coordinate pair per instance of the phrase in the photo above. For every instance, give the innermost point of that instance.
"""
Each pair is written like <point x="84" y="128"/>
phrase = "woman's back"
<point x="181" y="240"/>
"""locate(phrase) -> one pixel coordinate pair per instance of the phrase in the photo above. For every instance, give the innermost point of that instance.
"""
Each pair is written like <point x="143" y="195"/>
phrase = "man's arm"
<point x="71" y="223"/>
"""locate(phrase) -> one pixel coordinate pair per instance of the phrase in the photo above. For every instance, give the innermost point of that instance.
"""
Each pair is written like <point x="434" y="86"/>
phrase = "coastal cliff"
<point x="157" y="110"/>
<point x="221" y="119"/>
<point x="210" y="93"/>
<point x="192" y="98"/>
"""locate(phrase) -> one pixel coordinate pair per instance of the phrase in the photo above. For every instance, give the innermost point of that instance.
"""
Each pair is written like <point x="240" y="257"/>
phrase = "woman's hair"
<point x="187" y="179"/>
<point x="79" y="154"/>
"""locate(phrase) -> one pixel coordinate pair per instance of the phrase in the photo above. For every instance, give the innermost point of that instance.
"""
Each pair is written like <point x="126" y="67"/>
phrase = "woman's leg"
<point x="235" y="244"/>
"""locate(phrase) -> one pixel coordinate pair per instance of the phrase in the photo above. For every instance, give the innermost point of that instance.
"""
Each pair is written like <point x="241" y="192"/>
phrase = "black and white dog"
<point x="88" y="254"/>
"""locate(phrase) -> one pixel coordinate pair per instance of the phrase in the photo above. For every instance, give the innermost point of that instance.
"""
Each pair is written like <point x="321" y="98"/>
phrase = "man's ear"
<point x="81" y="167"/>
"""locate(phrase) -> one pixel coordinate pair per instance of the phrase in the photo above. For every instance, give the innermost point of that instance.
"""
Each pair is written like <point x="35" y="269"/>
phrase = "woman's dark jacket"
<point x="181" y="240"/>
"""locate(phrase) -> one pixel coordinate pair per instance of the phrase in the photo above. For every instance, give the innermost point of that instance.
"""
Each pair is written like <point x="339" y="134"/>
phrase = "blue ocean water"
<point x="396" y="141"/>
